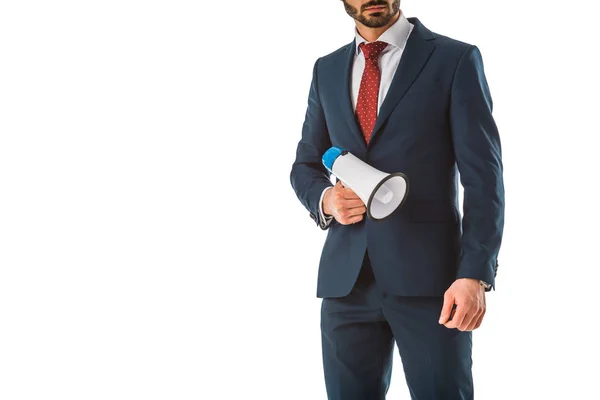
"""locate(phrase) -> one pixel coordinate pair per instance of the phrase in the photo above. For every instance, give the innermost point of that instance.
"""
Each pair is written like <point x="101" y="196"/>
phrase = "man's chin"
<point x="376" y="22"/>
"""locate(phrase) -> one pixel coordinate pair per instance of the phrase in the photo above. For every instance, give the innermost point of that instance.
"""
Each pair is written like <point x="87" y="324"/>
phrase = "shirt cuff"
<point x="325" y="220"/>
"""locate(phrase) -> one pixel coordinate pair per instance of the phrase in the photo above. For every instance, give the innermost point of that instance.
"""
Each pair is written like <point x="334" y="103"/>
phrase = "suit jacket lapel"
<point x="416" y="53"/>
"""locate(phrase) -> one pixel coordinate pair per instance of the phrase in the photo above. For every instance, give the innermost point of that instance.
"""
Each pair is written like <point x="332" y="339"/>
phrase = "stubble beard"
<point x="373" y="20"/>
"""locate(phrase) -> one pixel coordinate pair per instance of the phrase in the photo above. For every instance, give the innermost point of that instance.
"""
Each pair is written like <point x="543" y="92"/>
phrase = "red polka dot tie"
<point x="368" y="94"/>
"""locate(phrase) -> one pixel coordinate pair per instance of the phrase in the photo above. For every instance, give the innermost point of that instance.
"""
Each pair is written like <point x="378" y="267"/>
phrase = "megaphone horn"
<point x="381" y="192"/>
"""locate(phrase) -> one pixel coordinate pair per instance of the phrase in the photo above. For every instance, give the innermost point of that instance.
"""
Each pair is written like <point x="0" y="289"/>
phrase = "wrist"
<point x="473" y="281"/>
<point x="325" y="205"/>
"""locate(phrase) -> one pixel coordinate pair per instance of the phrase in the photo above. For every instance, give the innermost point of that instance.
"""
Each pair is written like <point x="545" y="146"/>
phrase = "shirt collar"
<point x="396" y="34"/>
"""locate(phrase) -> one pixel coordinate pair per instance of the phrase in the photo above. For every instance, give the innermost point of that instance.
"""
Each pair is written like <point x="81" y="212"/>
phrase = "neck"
<point x="371" y="34"/>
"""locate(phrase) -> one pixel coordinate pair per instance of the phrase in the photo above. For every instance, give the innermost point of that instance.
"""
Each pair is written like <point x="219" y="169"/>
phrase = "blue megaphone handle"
<point x="330" y="156"/>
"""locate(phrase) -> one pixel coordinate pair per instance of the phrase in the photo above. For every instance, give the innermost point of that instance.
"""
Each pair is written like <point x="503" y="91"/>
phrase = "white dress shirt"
<point x="395" y="36"/>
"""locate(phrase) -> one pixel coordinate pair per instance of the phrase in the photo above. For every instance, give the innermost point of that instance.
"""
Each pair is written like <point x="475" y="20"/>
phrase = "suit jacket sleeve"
<point x="478" y="156"/>
<point x="309" y="177"/>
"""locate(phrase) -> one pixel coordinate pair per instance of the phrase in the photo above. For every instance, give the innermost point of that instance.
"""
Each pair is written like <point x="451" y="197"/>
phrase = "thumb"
<point x="446" y="308"/>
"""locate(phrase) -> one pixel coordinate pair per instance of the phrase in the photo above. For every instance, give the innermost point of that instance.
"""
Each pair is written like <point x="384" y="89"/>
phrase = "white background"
<point x="151" y="245"/>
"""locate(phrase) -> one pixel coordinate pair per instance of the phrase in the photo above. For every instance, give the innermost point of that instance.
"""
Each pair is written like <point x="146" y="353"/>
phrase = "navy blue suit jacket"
<point x="435" y="121"/>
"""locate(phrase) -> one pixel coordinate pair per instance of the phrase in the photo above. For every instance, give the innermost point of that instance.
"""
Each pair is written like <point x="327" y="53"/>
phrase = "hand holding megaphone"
<point x="380" y="192"/>
<point x="343" y="204"/>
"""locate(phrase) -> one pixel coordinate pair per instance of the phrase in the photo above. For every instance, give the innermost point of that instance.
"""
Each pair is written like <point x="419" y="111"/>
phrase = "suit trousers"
<point x="358" y="333"/>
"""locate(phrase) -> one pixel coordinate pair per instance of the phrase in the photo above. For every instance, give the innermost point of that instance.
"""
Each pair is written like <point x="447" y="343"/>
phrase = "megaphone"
<point x="381" y="192"/>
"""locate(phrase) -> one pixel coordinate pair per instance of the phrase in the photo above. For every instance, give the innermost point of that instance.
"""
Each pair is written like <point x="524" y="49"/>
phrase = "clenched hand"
<point x="345" y="205"/>
<point x="469" y="297"/>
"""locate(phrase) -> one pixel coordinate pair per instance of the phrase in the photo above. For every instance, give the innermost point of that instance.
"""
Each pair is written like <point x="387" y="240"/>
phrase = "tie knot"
<point x="372" y="50"/>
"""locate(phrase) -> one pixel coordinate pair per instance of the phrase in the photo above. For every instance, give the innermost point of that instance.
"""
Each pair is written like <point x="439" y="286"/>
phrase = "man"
<point x="403" y="99"/>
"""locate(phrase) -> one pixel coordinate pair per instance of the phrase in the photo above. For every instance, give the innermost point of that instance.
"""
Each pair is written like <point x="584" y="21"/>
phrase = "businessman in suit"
<point x="403" y="99"/>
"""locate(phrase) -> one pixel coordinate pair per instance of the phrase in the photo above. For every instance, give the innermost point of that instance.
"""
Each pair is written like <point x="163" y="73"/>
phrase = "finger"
<point x="346" y="213"/>
<point x="476" y="322"/>
<point x="343" y="204"/>
<point x="470" y="320"/>
<point x="349" y="194"/>
<point x="346" y="217"/>
<point x="479" y="321"/>
<point x="459" y="316"/>
<point x="352" y="203"/>
<point x="355" y="211"/>
<point x="356" y="218"/>
<point x="339" y="202"/>
<point x="338" y="188"/>
<point x="446" y="308"/>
